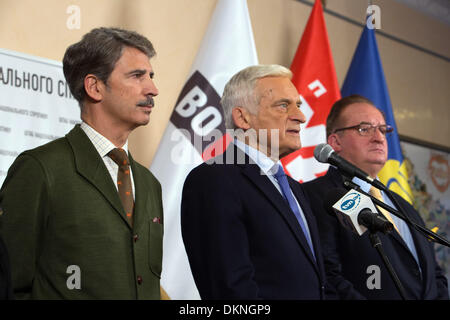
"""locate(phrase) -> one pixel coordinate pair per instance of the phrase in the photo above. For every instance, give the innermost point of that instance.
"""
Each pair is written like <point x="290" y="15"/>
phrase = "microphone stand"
<point x="424" y="231"/>
<point x="324" y="153"/>
<point x="376" y="243"/>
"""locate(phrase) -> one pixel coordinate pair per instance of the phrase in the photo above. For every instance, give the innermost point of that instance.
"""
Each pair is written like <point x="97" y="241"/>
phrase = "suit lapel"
<point x="142" y="191"/>
<point x="419" y="240"/>
<point x="89" y="165"/>
<point x="309" y="216"/>
<point x="262" y="182"/>
<point x="394" y="234"/>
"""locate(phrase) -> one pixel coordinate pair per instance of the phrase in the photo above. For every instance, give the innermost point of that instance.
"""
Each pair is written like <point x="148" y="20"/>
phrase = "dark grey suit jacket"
<point x="242" y="239"/>
<point x="347" y="256"/>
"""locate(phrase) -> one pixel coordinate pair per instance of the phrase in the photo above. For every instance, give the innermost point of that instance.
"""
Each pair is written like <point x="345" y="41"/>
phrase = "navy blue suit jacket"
<point x="347" y="256"/>
<point x="242" y="239"/>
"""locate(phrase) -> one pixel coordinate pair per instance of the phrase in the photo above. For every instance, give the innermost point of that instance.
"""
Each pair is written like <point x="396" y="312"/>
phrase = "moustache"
<point x="148" y="102"/>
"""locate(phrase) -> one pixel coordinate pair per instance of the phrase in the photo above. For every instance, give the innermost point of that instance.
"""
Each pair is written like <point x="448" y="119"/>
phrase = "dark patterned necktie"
<point x="120" y="157"/>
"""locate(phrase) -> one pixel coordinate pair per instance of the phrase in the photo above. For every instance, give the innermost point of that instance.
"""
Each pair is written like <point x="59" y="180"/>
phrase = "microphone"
<point x="324" y="153"/>
<point x="355" y="211"/>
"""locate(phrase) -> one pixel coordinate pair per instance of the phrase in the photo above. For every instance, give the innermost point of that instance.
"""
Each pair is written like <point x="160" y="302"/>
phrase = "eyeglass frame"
<point x="389" y="129"/>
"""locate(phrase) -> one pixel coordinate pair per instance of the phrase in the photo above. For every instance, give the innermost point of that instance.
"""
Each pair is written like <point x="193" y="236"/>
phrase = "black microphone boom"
<point x="324" y="153"/>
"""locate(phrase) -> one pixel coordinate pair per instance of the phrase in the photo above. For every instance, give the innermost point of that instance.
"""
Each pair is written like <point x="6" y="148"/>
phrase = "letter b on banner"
<point x="198" y="110"/>
<point x="189" y="104"/>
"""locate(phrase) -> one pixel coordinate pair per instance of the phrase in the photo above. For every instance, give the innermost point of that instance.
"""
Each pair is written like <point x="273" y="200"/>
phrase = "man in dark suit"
<point x="248" y="230"/>
<point x="357" y="131"/>
<point x="81" y="219"/>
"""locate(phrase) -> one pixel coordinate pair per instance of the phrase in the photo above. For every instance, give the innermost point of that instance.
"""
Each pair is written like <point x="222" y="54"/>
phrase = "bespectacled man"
<point x="357" y="131"/>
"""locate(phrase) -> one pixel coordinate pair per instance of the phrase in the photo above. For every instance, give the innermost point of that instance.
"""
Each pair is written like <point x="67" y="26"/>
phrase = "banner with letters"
<point x="36" y="105"/>
<point x="196" y="128"/>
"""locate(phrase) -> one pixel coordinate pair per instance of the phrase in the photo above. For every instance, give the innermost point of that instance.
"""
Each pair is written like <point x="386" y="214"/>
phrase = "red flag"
<point x="314" y="76"/>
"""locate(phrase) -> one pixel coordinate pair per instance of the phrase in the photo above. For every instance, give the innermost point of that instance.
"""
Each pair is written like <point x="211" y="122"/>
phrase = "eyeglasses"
<point x="367" y="129"/>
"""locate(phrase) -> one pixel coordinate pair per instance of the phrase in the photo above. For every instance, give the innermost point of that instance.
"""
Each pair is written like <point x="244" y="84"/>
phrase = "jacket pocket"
<point x="155" y="246"/>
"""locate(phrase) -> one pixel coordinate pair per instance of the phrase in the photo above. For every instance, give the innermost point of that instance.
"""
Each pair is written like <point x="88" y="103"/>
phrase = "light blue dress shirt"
<point x="400" y="223"/>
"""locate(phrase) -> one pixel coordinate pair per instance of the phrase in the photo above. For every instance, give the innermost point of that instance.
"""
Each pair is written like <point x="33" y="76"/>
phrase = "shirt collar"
<point x="365" y="186"/>
<point x="101" y="144"/>
<point x="267" y="165"/>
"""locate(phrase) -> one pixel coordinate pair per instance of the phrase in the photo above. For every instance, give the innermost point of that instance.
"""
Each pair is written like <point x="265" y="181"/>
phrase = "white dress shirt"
<point x="103" y="147"/>
<point x="402" y="227"/>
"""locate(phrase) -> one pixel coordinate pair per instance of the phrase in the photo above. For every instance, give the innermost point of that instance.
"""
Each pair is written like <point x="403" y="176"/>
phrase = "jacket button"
<point x="135" y="238"/>
<point x="139" y="279"/>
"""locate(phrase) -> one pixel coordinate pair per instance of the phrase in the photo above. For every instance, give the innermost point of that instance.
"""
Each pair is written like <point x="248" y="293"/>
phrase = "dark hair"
<point x="333" y="119"/>
<point x="97" y="53"/>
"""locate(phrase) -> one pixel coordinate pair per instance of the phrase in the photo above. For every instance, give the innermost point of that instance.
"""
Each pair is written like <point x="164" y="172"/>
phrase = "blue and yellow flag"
<point x="366" y="77"/>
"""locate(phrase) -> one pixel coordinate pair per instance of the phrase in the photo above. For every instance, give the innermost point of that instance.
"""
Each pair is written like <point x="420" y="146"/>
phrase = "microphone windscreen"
<point x="322" y="152"/>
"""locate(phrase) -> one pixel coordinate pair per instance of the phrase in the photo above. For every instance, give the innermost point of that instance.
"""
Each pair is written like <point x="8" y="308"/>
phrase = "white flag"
<point x="196" y="123"/>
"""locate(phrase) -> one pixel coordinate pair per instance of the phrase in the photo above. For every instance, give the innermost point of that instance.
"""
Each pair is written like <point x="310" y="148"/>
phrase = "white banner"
<point x="35" y="105"/>
<point x="227" y="47"/>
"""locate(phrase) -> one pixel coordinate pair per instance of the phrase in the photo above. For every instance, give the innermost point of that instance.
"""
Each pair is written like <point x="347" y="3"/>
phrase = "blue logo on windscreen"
<point x="350" y="201"/>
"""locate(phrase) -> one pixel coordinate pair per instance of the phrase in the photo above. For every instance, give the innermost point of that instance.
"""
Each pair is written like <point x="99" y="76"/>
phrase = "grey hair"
<point x="240" y="89"/>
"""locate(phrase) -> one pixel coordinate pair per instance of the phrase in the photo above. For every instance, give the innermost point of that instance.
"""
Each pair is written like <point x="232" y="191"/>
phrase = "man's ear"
<point x="241" y="118"/>
<point x="94" y="87"/>
<point x="335" y="142"/>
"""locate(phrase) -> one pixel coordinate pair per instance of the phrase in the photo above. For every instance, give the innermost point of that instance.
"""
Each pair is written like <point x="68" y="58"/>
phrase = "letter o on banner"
<point x="203" y="129"/>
